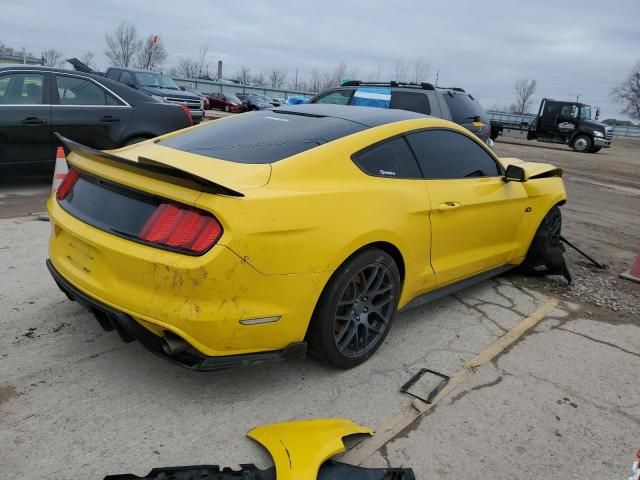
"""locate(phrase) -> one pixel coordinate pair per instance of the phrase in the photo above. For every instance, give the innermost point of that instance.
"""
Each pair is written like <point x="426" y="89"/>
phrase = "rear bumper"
<point x="129" y="330"/>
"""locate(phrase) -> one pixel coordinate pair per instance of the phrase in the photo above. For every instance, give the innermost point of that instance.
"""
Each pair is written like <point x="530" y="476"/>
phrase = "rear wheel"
<point x="582" y="143"/>
<point x="356" y="309"/>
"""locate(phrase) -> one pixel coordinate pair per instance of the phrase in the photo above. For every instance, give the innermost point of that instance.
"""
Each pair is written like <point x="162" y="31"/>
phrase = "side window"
<point x="392" y="158"/>
<point x="113" y="73"/>
<point x="127" y="78"/>
<point x="412" y="101"/>
<point x="448" y="154"/>
<point x="339" y="97"/>
<point x="21" y="89"/>
<point x="78" y="91"/>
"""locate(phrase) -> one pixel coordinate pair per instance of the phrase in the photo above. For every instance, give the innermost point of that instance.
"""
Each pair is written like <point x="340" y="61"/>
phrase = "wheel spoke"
<point x="346" y="335"/>
<point x="370" y="280"/>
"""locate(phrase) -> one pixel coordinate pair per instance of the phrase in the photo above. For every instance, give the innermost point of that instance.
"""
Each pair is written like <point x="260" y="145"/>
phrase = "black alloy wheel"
<point x="356" y="310"/>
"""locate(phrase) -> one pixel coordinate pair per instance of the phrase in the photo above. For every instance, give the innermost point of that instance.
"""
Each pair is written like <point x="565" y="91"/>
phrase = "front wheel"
<point x="356" y="309"/>
<point x="582" y="143"/>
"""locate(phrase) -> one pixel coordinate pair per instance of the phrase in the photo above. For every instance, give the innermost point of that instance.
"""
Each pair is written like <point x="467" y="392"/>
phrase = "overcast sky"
<point x="572" y="47"/>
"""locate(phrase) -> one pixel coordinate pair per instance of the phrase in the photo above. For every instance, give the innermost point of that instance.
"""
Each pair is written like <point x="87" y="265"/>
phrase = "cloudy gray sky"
<point x="572" y="47"/>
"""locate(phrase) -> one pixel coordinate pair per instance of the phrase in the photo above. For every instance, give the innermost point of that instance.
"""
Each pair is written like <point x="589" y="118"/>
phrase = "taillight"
<point x="179" y="227"/>
<point x="67" y="184"/>
<point x="187" y="112"/>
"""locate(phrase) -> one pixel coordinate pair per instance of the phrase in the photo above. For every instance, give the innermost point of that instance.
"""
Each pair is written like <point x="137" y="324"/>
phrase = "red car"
<point x="226" y="102"/>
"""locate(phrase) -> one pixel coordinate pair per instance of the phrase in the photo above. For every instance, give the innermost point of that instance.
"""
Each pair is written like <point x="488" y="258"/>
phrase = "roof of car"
<point x="368" y="116"/>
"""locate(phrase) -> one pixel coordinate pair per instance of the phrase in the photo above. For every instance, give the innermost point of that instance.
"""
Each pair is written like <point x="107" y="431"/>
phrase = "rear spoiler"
<point x="148" y="165"/>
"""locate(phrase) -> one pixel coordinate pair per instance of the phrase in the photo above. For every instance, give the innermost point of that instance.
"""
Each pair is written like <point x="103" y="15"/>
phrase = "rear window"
<point x="262" y="137"/>
<point x="412" y="101"/>
<point x="464" y="108"/>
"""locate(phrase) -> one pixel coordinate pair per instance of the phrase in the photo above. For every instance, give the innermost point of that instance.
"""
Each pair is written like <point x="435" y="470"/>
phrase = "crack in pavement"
<point x="482" y="313"/>
<point x="601" y="342"/>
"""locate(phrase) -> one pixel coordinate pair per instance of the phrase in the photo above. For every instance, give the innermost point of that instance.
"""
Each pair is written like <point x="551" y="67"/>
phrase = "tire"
<point x="356" y="309"/>
<point x="133" y="140"/>
<point x="595" y="149"/>
<point x="226" y="108"/>
<point x="582" y="143"/>
<point x="545" y="254"/>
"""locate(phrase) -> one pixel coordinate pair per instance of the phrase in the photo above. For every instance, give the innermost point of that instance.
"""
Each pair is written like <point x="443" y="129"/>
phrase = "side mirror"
<point x="514" y="173"/>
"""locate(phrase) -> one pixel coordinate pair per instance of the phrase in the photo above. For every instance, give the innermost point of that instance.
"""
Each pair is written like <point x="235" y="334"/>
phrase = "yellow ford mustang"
<point x="249" y="238"/>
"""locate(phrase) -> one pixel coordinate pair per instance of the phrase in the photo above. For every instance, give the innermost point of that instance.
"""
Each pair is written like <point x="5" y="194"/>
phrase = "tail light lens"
<point x="187" y="112"/>
<point x="182" y="228"/>
<point x="67" y="184"/>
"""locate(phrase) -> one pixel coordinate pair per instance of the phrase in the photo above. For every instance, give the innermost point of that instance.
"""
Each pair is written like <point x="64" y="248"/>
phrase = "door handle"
<point x="109" y="119"/>
<point x="448" y="206"/>
<point x="33" y="121"/>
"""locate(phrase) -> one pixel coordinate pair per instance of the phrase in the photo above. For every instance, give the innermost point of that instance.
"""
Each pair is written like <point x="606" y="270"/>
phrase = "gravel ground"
<point x="600" y="217"/>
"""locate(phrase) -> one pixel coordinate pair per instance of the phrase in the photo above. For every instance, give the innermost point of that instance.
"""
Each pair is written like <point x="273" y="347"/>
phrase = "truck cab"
<point x="158" y="86"/>
<point x="571" y="123"/>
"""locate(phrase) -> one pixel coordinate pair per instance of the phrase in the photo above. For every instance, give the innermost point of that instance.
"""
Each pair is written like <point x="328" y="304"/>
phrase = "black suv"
<point x="159" y="86"/>
<point x="448" y="103"/>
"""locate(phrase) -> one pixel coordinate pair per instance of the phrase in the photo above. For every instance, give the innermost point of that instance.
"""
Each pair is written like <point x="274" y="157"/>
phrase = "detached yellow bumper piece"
<point x="300" y="451"/>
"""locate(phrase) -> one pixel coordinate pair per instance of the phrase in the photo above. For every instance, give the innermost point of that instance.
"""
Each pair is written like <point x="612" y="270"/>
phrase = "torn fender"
<point x="299" y="448"/>
<point x="533" y="170"/>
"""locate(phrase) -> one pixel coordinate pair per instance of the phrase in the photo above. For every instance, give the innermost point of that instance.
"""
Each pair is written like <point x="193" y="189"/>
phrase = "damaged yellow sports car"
<point x="254" y="237"/>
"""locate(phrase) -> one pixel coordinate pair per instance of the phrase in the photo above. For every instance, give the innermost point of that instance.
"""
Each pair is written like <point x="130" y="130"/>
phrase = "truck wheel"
<point x="595" y="149"/>
<point x="356" y="309"/>
<point x="582" y="143"/>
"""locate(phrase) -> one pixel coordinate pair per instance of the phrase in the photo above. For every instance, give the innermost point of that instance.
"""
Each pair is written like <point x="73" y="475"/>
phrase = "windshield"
<point x="233" y="98"/>
<point x="585" y="112"/>
<point x="157" y="80"/>
<point x="262" y="98"/>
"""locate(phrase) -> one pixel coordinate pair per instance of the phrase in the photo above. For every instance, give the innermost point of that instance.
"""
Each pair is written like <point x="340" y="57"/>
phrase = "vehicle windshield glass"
<point x="585" y="112"/>
<point x="464" y="108"/>
<point x="157" y="80"/>
<point x="262" y="98"/>
<point x="233" y="98"/>
<point x="261" y="137"/>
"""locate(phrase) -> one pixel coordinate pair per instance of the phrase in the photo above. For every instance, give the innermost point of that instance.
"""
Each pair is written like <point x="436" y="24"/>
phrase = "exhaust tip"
<point x="173" y="344"/>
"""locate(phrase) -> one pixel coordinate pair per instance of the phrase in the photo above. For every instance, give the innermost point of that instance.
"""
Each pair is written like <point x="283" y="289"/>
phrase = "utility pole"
<point x="296" y="79"/>
<point x="437" y="76"/>
<point x="578" y="98"/>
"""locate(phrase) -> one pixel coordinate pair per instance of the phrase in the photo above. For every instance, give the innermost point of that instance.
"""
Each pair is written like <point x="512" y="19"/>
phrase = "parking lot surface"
<point x="561" y="402"/>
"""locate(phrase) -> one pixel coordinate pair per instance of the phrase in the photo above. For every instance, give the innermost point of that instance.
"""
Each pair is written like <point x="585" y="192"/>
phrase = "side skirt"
<point x="455" y="287"/>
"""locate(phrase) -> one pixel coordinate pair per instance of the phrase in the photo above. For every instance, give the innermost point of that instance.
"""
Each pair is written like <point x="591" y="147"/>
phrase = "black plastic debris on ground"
<point x="329" y="470"/>
<point x="425" y="384"/>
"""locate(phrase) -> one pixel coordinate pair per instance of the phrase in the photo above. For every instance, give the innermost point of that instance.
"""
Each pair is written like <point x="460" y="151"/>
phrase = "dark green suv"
<point x="449" y="103"/>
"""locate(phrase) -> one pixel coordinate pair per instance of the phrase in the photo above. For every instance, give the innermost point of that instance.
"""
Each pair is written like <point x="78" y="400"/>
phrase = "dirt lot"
<point x="561" y="402"/>
<point x="601" y="216"/>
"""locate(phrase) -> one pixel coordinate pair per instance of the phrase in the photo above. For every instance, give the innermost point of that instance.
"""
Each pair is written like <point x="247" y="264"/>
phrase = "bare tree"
<point x="122" y="45"/>
<point x="420" y="71"/>
<point x="244" y="75"/>
<point x="258" y="78"/>
<point x="277" y="77"/>
<point x="525" y="89"/>
<point x="315" y="82"/>
<point x="628" y="93"/>
<point x="333" y="78"/>
<point x="187" y="68"/>
<point x="52" y="58"/>
<point x="203" y="62"/>
<point x="152" y="54"/>
<point x="400" y="71"/>
<point x="88" y="60"/>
